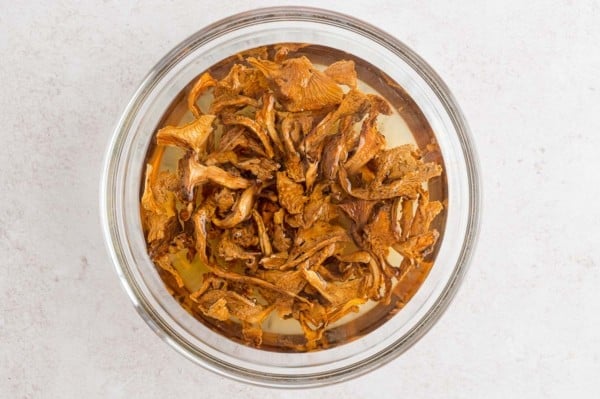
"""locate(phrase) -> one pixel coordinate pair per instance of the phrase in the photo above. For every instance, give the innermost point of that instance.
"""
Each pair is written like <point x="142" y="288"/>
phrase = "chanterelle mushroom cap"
<point x="192" y="136"/>
<point x="298" y="85"/>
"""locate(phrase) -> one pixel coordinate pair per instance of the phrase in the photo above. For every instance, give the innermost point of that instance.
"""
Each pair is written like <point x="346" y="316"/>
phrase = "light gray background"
<point x="526" y="322"/>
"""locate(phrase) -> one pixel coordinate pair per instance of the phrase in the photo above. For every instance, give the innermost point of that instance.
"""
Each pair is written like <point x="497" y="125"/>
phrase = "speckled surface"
<point x="526" y="322"/>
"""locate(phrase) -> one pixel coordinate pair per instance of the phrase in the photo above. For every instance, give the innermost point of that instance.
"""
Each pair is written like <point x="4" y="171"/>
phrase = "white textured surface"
<point x="526" y="323"/>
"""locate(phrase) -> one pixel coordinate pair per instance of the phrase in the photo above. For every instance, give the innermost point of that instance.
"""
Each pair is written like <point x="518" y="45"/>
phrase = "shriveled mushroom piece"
<point x="164" y="263"/>
<point x="369" y="144"/>
<point x="292" y="162"/>
<point x="334" y="153"/>
<point x="238" y="139"/>
<point x="354" y="105"/>
<point x="225" y="304"/>
<point x="337" y="293"/>
<point x="358" y="210"/>
<point x="204" y="82"/>
<point x="275" y="261"/>
<point x="254" y="281"/>
<point x="298" y="85"/>
<point x="245" y="235"/>
<point x="281" y="241"/>
<point x="317" y="238"/>
<point x="405" y="187"/>
<point x="292" y="281"/>
<point x="319" y="206"/>
<point x="265" y="243"/>
<point x="220" y="158"/>
<point x="192" y="136"/>
<point x="158" y="204"/>
<point x="201" y="218"/>
<point x="282" y="50"/>
<point x="402" y="223"/>
<point x="336" y="147"/>
<point x="417" y="241"/>
<point x="426" y="212"/>
<point x="314" y="321"/>
<point x="418" y="246"/>
<point x="343" y="72"/>
<point x="194" y="173"/>
<point x="228" y="250"/>
<point x="379" y="234"/>
<point x="317" y="234"/>
<point x="263" y="168"/>
<point x="230" y="102"/>
<point x="242" y="209"/>
<point x="253" y="126"/>
<point x="224" y="198"/>
<point x="265" y="117"/>
<point x="305" y="120"/>
<point x="291" y="194"/>
<point x="242" y="80"/>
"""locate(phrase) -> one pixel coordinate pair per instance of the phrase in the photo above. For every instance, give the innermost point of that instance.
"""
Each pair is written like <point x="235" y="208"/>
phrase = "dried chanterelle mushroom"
<point x="287" y="200"/>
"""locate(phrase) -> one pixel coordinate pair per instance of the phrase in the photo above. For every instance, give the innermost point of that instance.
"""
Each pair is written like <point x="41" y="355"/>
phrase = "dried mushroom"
<point x="298" y="85"/>
<point x="287" y="202"/>
<point x="192" y="136"/>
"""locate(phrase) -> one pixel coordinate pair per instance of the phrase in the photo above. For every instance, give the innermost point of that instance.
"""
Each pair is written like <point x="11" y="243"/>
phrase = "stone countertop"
<point x="526" y="322"/>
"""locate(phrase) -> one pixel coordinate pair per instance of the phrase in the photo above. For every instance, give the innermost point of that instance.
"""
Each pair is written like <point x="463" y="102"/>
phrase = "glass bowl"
<point x="125" y="162"/>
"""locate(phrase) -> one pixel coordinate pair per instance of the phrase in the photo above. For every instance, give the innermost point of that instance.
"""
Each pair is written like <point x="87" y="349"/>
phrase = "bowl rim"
<point x="388" y="41"/>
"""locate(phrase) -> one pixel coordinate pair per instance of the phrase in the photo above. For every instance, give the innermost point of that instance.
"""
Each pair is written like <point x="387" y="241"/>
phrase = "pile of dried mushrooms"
<point x="287" y="199"/>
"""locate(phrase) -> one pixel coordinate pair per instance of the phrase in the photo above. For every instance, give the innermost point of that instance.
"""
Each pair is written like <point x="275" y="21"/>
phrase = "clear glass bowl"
<point x="125" y="162"/>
